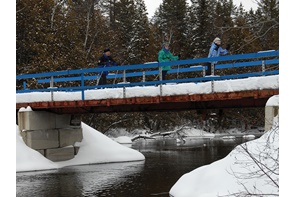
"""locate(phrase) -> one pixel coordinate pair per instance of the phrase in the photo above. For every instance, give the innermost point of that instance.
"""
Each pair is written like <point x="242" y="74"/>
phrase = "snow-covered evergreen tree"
<point x="172" y="24"/>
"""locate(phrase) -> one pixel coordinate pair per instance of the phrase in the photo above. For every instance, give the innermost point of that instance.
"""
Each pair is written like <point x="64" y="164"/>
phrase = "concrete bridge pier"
<point x="271" y="111"/>
<point x="55" y="136"/>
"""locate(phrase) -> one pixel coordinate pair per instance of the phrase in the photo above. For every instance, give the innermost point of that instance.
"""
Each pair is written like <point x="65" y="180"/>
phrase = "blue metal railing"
<point x="262" y="59"/>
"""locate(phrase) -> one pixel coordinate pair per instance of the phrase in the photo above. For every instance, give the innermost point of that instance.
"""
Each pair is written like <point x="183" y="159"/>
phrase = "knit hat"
<point x="216" y="39"/>
<point x="106" y="50"/>
<point x="165" y="44"/>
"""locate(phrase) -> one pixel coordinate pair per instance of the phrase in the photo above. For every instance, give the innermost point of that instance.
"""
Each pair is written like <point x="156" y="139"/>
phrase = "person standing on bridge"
<point x="105" y="61"/>
<point x="165" y="55"/>
<point x="215" y="51"/>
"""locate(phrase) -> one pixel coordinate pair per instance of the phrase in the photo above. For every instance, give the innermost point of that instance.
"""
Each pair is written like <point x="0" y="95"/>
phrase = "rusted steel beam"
<point x="253" y="98"/>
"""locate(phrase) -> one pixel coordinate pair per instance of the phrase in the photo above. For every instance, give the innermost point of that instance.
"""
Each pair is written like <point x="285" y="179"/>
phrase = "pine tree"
<point x="132" y="29"/>
<point x="223" y="21"/>
<point x="171" y="21"/>
<point x="37" y="35"/>
<point x="268" y="11"/>
<point x="125" y="16"/>
<point x="201" y="27"/>
<point x="142" y="32"/>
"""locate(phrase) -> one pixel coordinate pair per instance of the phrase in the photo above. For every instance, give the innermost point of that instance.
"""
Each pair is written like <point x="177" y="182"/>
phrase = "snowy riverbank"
<point x="251" y="168"/>
<point x="122" y="136"/>
<point x="99" y="148"/>
<point x="94" y="148"/>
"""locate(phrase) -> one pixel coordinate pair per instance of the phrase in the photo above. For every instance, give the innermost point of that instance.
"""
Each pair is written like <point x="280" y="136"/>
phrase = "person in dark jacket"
<point x="215" y="51"/>
<point x="105" y="61"/>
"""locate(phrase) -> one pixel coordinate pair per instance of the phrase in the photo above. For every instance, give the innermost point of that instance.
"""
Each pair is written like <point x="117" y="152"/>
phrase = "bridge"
<point x="87" y="97"/>
<point x="57" y="98"/>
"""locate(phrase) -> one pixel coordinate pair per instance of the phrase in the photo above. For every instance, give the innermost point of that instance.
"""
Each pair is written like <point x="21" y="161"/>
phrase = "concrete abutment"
<point x="55" y="136"/>
<point x="270" y="113"/>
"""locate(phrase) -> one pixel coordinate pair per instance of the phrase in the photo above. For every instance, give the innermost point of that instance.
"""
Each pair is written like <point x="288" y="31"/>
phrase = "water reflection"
<point x="86" y="180"/>
<point x="166" y="161"/>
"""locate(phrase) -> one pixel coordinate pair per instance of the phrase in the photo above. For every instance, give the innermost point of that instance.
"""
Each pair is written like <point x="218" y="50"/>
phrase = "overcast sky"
<point x="152" y="5"/>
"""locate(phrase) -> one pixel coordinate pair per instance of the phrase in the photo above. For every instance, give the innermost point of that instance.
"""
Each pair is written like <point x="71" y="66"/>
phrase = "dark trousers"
<point x="164" y="72"/>
<point x="103" y="79"/>
<point x="208" y="71"/>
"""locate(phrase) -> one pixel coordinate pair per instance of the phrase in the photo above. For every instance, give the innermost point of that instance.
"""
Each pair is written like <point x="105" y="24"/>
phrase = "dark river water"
<point x="166" y="161"/>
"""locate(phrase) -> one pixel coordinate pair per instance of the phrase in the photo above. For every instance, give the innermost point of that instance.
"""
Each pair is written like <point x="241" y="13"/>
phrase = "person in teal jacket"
<point x="165" y="55"/>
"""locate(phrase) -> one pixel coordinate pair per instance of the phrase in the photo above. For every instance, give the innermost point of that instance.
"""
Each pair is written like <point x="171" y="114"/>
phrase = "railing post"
<point x="25" y="85"/>
<point x="82" y="86"/>
<point x="51" y="86"/>
<point x="263" y="66"/>
<point x="212" y="68"/>
<point x="160" y="77"/>
<point x="124" y="76"/>
<point x="212" y="73"/>
<point x="124" y="92"/>
<point x="124" y="81"/>
<point x="143" y="76"/>
<point x="51" y="81"/>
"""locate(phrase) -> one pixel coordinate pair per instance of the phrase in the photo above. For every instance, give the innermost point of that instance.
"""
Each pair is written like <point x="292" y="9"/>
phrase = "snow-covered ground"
<point x="251" y="168"/>
<point x="235" y="172"/>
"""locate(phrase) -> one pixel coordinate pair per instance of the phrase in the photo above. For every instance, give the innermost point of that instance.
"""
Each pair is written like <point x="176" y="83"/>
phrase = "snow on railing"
<point x="91" y="74"/>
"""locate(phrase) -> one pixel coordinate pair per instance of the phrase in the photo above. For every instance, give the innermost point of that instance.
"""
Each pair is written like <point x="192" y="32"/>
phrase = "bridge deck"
<point x="73" y="91"/>
<point x="252" y="98"/>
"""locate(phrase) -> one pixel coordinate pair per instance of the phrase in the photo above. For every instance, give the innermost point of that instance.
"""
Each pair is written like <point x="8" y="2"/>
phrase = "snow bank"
<point x="97" y="148"/>
<point x="28" y="159"/>
<point x="249" y="136"/>
<point x="236" y="171"/>
<point x="273" y="101"/>
<point x="94" y="148"/>
<point x="192" y="132"/>
<point x="123" y="140"/>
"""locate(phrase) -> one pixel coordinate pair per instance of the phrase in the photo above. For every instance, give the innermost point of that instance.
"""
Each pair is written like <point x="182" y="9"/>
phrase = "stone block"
<point x="60" y="154"/>
<point x="76" y="149"/>
<point x="63" y="121"/>
<point x="41" y="151"/>
<point x="35" y="120"/>
<point x="68" y="137"/>
<point x="41" y="139"/>
<point x="76" y="121"/>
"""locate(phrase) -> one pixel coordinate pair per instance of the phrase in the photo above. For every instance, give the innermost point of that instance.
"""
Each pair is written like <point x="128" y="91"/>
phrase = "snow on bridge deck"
<point x="248" y="92"/>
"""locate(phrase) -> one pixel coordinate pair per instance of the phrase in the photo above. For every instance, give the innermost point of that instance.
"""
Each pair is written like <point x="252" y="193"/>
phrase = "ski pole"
<point x="98" y="78"/>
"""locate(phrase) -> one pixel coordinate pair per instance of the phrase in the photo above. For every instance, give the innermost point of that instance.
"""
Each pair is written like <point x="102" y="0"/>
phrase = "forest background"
<point x="53" y="35"/>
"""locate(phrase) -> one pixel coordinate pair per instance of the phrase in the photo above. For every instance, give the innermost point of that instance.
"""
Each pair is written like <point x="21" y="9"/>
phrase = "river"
<point x="166" y="161"/>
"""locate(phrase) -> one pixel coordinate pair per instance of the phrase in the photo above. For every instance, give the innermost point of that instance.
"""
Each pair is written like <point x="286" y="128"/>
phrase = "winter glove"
<point x="227" y="47"/>
<point x="216" y="47"/>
